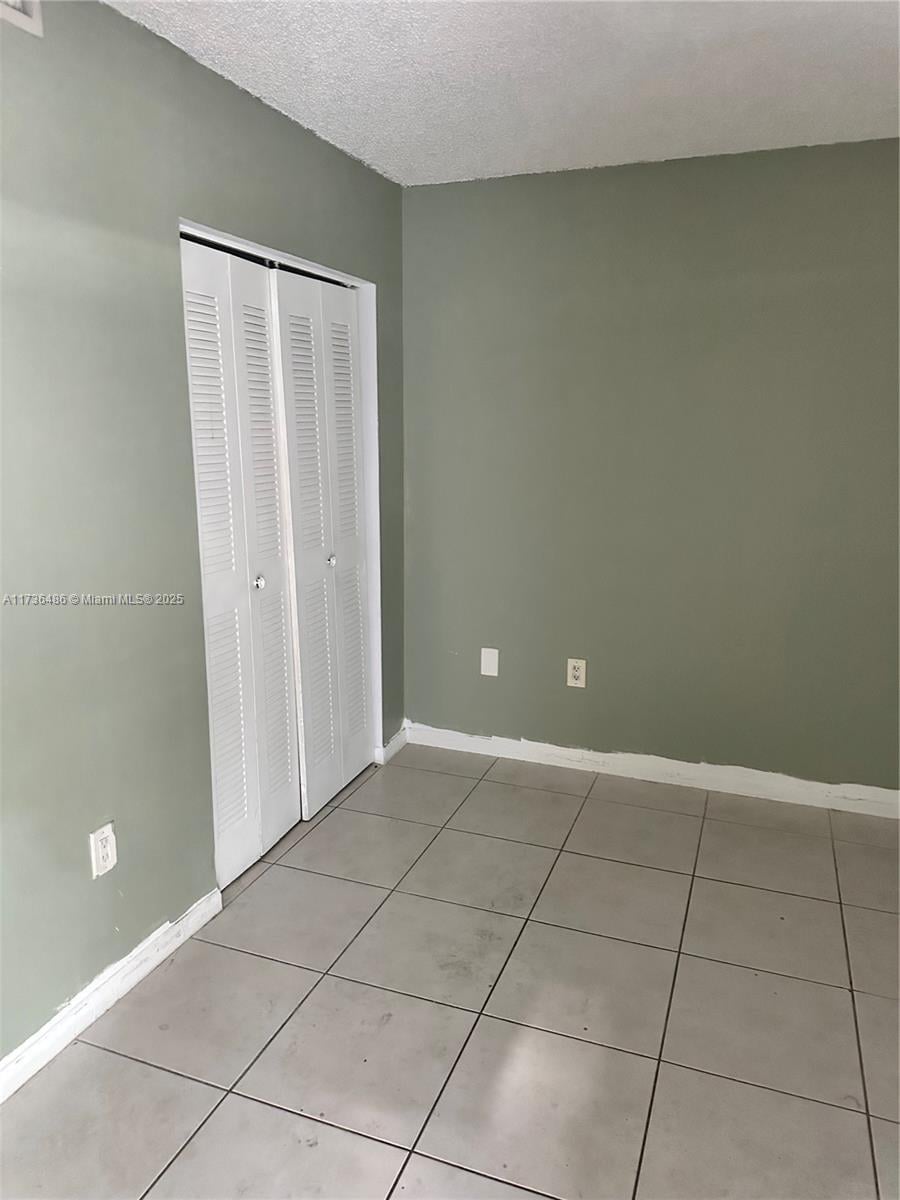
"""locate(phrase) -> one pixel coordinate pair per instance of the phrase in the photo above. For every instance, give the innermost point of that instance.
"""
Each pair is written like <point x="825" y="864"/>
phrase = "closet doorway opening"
<point x="282" y="375"/>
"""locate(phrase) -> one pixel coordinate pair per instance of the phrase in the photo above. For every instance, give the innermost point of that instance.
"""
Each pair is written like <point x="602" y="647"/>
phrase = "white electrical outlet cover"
<point x="490" y="661"/>
<point x="103" y="850"/>
<point x="576" y="672"/>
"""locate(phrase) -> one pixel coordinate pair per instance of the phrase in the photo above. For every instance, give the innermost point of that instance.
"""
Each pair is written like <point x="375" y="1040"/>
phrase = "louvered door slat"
<point x="229" y="751"/>
<point x="215" y="517"/>
<point x="346" y="475"/>
<point x="309" y="514"/>
<point x="353" y="666"/>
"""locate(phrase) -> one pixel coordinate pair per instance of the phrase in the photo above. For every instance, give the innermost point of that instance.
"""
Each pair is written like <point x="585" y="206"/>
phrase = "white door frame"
<point x="368" y="385"/>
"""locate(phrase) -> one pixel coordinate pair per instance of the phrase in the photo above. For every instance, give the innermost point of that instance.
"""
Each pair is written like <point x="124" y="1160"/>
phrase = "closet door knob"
<point x="259" y="582"/>
<point x="331" y="559"/>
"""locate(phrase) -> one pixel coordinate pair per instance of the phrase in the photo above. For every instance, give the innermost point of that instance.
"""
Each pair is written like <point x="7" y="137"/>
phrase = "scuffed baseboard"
<point x="397" y="742"/>
<point x="102" y="993"/>
<point x="741" y="781"/>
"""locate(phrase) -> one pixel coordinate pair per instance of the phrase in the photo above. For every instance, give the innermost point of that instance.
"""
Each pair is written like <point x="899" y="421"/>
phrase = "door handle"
<point x="331" y="559"/>
<point x="259" y="582"/>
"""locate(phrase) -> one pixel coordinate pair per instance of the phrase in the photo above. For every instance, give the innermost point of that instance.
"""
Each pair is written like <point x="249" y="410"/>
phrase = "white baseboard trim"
<point x="742" y="781"/>
<point x="397" y="742"/>
<point x="101" y="993"/>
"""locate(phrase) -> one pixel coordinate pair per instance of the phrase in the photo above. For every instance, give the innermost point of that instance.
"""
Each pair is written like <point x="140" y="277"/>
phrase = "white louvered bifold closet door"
<point x="348" y="526"/>
<point x="300" y="324"/>
<point x="244" y="552"/>
<point x="318" y="345"/>
<point x="265" y="497"/>
<point x="223" y="559"/>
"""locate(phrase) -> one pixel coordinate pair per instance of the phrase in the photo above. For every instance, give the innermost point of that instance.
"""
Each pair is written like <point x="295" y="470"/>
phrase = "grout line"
<point x="527" y="786"/>
<point x="662" y="1040"/>
<point x="365" y="812"/>
<point x="435" y="771"/>
<point x="284" y="962"/>
<point x="484" y="1005"/>
<point x="570" y="1037"/>
<point x="381" y="987"/>
<point x="522" y="1187"/>
<point x="495" y="912"/>
<point x="146" y="1062"/>
<point x="351" y="878"/>
<point x="819" y="837"/>
<point x="296" y="1112"/>
<point x="183" y="1146"/>
<point x="764" y="1087"/>
<point x="862" y="1068"/>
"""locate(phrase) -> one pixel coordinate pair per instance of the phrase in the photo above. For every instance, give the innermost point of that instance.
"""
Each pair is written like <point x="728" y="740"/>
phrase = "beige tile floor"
<point x="471" y="979"/>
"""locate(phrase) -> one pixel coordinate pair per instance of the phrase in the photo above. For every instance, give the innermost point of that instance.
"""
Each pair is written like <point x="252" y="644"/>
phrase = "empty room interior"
<point x="450" y="600"/>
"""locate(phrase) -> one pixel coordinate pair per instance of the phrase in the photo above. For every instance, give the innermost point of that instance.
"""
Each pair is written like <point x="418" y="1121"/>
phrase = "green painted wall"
<point x="651" y="420"/>
<point x="110" y="135"/>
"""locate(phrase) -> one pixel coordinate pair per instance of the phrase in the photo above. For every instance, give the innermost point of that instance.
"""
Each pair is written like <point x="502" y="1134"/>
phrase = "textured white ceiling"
<point x="470" y="89"/>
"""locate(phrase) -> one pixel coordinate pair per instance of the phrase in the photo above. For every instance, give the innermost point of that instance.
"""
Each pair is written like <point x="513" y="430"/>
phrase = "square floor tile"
<point x="868" y="875"/>
<point x="432" y="949"/>
<point x="483" y="871"/>
<point x="296" y="917"/>
<point x="543" y="1111"/>
<point x="427" y="1179"/>
<point x="667" y="797"/>
<point x="361" y="1057"/>
<point x="877" y="1018"/>
<point x="768" y="858"/>
<point x="885" y="1135"/>
<point x="586" y="986"/>
<point x="522" y="814"/>
<point x="249" y="1150"/>
<point x="410" y="794"/>
<point x="709" y="1138"/>
<point x="447" y="762"/>
<point x="860" y="827"/>
<point x="94" y="1125"/>
<point x="636" y="835"/>
<point x="234" y="889"/>
<point x="782" y="1033"/>
<point x="769" y="814"/>
<point x="872" y="941"/>
<point x="638" y="904"/>
<point x="363" y="847"/>
<point x="792" y="935"/>
<point x="566" y="780"/>
<point x="205" y="1011"/>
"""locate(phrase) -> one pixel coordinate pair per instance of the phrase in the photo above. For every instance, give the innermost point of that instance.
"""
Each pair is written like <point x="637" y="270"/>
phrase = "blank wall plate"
<point x="490" y="661"/>
<point x="103" y="850"/>
<point x="576" y="672"/>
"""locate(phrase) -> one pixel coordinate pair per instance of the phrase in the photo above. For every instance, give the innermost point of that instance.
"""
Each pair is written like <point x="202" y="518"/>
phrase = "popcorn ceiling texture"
<point x="464" y="89"/>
